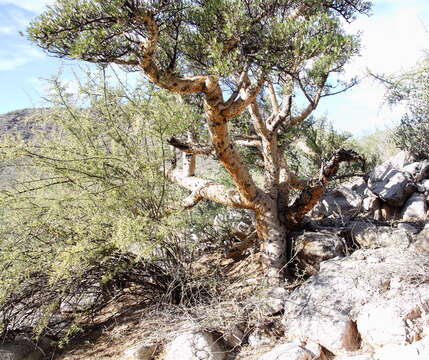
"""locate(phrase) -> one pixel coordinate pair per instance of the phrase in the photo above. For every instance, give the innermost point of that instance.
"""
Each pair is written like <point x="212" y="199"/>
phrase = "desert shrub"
<point x="91" y="214"/>
<point x="411" y="89"/>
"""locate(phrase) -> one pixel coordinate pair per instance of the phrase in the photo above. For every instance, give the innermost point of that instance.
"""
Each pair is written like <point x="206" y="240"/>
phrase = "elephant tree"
<point x="237" y="56"/>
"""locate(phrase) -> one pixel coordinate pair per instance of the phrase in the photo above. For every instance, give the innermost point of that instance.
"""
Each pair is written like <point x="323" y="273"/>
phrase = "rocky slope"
<point x="360" y="288"/>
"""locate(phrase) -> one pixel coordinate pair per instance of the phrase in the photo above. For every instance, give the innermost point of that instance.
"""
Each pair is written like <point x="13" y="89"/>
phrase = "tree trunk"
<point x="272" y="234"/>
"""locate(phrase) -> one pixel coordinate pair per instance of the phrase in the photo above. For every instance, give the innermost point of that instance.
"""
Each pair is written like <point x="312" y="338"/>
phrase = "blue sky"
<point x="393" y="39"/>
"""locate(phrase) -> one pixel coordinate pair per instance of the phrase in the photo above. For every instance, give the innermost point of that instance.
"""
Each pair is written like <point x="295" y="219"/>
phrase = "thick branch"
<point x="273" y="97"/>
<point x="224" y="150"/>
<point x="258" y="121"/>
<point x="190" y="147"/>
<point x="165" y="79"/>
<point x="205" y="189"/>
<point x="279" y="117"/>
<point x="247" y="96"/>
<point x="316" y="187"/>
<point x="313" y="102"/>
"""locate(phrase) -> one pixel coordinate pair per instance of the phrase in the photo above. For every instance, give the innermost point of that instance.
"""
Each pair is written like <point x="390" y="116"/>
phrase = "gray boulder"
<point x="367" y="235"/>
<point x="418" y="170"/>
<point x="401" y="159"/>
<point x="415" y="208"/>
<point x="345" y="200"/>
<point x="311" y="248"/>
<point x="391" y="185"/>
<point x="333" y="306"/>
<point x="408" y="228"/>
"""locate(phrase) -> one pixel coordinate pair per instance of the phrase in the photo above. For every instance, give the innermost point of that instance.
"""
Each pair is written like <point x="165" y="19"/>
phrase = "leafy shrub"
<point x="90" y="213"/>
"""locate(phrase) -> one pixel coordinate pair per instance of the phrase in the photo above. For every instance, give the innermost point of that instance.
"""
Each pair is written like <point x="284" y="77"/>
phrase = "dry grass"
<point x="237" y="299"/>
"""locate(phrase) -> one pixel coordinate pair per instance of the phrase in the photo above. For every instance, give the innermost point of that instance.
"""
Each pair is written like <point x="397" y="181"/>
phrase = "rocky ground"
<point x="361" y="289"/>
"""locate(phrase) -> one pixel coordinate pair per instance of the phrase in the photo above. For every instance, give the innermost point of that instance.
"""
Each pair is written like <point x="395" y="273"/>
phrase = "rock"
<point x="141" y="352"/>
<point x="425" y="184"/>
<point x="326" y="309"/>
<point x="367" y="235"/>
<point x="194" y="345"/>
<point x="418" y="170"/>
<point x="311" y="248"/>
<point x="415" y="208"/>
<point x="390" y="185"/>
<point x="342" y="201"/>
<point x="288" y="352"/>
<point x="422" y="240"/>
<point x="234" y="337"/>
<point x="408" y="228"/>
<point x="80" y="301"/>
<point x="371" y="203"/>
<point x="379" y="325"/>
<point x="233" y="220"/>
<point x="257" y="339"/>
<point x="401" y="159"/>
<point x="19" y="352"/>
<point x="274" y="301"/>
<point x="400" y="352"/>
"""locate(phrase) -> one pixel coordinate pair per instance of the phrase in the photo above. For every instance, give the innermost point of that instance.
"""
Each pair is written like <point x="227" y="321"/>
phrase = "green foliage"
<point x="200" y="37"/>
<point x="91" y="206"/>
<point x="411" y="89"/>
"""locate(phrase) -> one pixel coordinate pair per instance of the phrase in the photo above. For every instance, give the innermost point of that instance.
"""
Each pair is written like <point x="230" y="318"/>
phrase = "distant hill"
<point x="19" y="122"/>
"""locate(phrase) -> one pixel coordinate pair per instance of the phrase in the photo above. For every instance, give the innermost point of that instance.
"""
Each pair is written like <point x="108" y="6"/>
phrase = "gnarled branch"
<point x="206" y="189"/>
<point x="190" y="147"/>
<point x="315" y="188"/>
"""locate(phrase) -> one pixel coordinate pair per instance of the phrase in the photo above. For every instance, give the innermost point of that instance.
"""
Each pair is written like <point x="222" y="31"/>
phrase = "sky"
<point x="394" y="38"/>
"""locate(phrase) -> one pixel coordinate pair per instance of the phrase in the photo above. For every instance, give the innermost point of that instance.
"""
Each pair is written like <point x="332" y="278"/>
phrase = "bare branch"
<point x="190" y="147"/>
<point x="258" y="121"/>
<point x="247" y="96"/>
<point x="275" y="121"/>
<point x="248" y="143"/>
<point x="273" y="97"/>
<point x="205" y="189"/>
<point x="315" y="188"/>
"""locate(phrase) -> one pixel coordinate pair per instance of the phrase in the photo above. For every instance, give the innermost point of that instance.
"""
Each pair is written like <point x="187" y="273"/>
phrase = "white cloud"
<point x="8" y="64"/>
<point x="18" y="55"/>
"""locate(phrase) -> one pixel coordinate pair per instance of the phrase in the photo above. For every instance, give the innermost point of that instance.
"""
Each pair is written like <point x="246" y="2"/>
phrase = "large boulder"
<point x="367" y="235"/>
<point x="418" y="170"/>
<point x="391" y="185"/>
<point x="415" y="208"/>
<point x="345" y="200"/>
<point x="311" y="248"/>
<point x="333" y="306"/>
